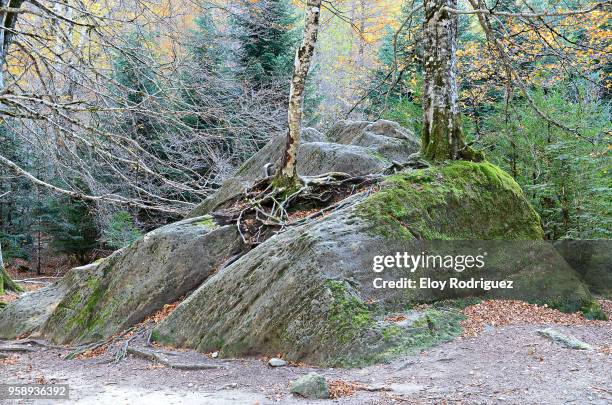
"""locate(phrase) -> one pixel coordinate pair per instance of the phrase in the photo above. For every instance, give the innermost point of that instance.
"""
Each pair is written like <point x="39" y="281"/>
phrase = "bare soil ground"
<point x="506" y="365"/>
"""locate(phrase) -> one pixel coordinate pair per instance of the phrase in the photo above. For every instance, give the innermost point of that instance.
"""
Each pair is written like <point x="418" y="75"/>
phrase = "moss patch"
<point x="7" y="283"/>
<point x="162" y="339"/>
<point x="384" y="342"/>
<point x="207" y="221"/>
<point x="348" y="314"/>
<point x="458" y="200"/>
<point x="589" y="307"/>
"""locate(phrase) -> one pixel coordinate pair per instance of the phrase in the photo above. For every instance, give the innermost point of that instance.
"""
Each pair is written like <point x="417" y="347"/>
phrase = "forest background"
<point x="146" y="107"/>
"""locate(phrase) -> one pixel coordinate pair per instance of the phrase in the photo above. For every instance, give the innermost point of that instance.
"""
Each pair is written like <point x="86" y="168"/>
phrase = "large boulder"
<point x="27" y="314"/>
<point x="356" y="148"/>
<point x="97" y="301"/>
<point x="309" y="292"/>
<point x="592" y="259"/>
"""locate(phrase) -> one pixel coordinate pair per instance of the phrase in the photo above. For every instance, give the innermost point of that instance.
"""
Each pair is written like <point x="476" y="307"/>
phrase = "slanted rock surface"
<point x="356" y="148"/>
<point x="308" y="292"/>
<point x="26" y="315"/>
<point x="592" y="259"/>
<point x="96" y="301"/>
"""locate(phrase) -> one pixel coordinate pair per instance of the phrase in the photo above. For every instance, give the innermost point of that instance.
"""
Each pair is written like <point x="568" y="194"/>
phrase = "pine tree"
<point x="71" y="225"/>
<point x="137" y="84"/>
<point x="267" y="40"/>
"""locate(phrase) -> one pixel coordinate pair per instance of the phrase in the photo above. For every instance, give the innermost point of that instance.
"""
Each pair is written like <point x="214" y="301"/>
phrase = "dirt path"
<point x="510" y="365"/>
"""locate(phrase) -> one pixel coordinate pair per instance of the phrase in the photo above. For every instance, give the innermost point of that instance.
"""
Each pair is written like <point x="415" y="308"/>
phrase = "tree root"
<point x="35" y="342"/>
<point x="264" y="210"/>
<point x="16" y="348"/>
<point x="164" y="359"/>
<point x="106" y="342"/>
<point x="82" y="349"/>
<point x="470" y="154"/>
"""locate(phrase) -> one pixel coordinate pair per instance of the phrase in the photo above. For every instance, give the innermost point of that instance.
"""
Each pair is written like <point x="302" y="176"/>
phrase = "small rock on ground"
<point x="312" y="386"/>
<point x="276" y="362"/>
<point x="566" y="341"/>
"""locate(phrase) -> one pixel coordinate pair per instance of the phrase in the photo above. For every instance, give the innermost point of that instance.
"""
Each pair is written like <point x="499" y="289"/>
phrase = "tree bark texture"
<point x="287" y="172"/>
<point x="8" y="19"/>
<point x="442" y="137"/>
<point x="5" y="280"/>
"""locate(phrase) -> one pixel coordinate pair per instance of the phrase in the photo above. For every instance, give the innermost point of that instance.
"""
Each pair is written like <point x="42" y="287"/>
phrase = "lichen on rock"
<point x="308" y="291"/>
<point x="96" y="301"/>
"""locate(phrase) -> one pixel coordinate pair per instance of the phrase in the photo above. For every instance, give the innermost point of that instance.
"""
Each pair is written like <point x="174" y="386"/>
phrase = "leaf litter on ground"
<point x="498" y="313"/>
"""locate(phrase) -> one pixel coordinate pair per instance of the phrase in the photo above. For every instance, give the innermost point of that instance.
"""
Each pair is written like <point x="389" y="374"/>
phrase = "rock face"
<point x="592" y="259"/>
<point x="356" y="148"/>
<point x="96" y="301"/>
<point x="309" y="293"/>
<point x="28" y="313"/>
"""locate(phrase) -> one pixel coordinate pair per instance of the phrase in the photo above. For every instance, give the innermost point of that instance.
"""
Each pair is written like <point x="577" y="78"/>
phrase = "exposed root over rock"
<point x="171" y="359"/>
<point x="264" y="209"/>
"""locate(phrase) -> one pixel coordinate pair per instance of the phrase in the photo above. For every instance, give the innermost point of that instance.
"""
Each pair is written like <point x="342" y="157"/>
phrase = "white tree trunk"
<point x="287" y="173"/>
<point x="442" y="138"/>
<point x="6" y="283"/>
<point x="1" y="259"/>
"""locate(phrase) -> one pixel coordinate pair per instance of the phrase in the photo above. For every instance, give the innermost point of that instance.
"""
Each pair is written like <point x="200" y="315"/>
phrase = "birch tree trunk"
<point x="442" y="138"/>
<point x="287" y="172"/>
<point x="2" y="271"/>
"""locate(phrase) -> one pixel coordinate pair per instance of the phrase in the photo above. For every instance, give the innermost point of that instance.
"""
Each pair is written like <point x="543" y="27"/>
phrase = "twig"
<point x="601" y="389"/>
<point x="33" y="282"/>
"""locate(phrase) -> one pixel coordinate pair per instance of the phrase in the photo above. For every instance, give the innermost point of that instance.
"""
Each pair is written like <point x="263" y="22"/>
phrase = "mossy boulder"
<point x="592" y="259"/>
<point x="27" y="314"/>
<point x="6" y="282"/>
<point x="460" y="200"/>
<point x="97" y="301"/>
<point x="309" y="293"/>
<point x="312" y="386"/>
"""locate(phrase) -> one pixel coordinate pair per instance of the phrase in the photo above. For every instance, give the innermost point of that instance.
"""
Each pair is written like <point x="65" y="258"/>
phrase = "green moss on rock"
<point x="7" y="283"/>
<point x="383" y="341"/>
<point x="459" y="200"/>
<point x="589" y="307"/>
<point x="162" y="339"/>
<point x="348" y="314"/>
<point x="207" y="221"/>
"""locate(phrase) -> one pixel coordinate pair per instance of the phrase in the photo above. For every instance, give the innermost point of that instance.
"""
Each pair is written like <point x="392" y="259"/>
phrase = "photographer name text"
<point x="412" y="263"/>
